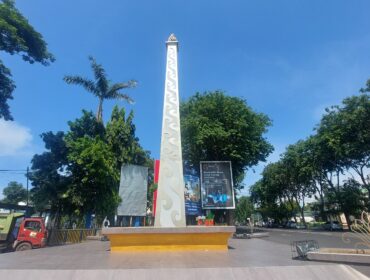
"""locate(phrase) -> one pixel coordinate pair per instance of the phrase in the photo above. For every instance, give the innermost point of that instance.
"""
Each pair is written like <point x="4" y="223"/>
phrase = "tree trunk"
<point x="287" y="216"/>
<point x="320" y="190"/>
<point x="346" y="215"/>
<point x="99" y="113"/>
<point x="293" y="212"/>
<point x="322" y="208"/>
<point x="302" y="215"/>
<point x="301" y="210"/>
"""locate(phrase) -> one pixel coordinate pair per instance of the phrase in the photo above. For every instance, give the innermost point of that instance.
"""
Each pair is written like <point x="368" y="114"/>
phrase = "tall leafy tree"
<point x="276" y="192"/>
<point x="316" y="165"/>
<point x="101" y="87"/>
<point x="14" y="193"/>
<point x="331" y="165"/>
<point x="120" y="135"/>
<point x="215" y="126"/>
<point x="298" y="173"/>
<point x="272" y="203"/>
<point x="344" y="131"/>
<point x="49" y="177"/>
<point x="79" y="174"/>
<point x="7" y="87"/>
<point x="91" y="165"/>
<point x="125" y="146"/>
<point x="86" y="126"/>
<point x="93" y="183"/>
<point x="367" y="88"/>
<point x="244" y="209"/>
<point x="17" y="36"/>
<point x="349" y="199"/>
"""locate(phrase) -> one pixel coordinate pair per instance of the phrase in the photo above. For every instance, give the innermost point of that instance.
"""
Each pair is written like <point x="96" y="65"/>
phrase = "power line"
<point x="13" y="173"/>
<point x="13" y="170"/>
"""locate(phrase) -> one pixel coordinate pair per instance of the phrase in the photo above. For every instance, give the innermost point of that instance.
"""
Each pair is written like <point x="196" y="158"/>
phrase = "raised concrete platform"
<point x="169" y="239"/>
<point x="340" y="255"/>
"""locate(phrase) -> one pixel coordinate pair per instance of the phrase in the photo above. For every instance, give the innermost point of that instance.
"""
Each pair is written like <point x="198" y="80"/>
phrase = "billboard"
<point x="133" y="190"/>
<point x="192" y="195"/>
<point x="217" y="185"/>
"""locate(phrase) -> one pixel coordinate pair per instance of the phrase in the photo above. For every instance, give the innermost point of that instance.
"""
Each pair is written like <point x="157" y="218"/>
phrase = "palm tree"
<point x="101" y="87"/>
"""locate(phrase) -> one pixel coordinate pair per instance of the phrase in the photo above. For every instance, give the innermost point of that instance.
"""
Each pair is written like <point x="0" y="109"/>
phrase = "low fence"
<point x="65" y="236"/>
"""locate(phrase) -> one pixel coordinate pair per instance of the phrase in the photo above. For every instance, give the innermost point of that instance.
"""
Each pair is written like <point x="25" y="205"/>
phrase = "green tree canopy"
<point x="101" y="87"/>
<point x="79" y="173"/>
<point x="17" y="36"/>
<point x="120" y="135"/>
<point x="272" y="203"/>
<point x="49" y="177"/>
<point x="215" y="126"/>
<point x="324" y="165"/>
<point x="93" y="187"/>
<point x="345" y="132"/>
<point x="86" y="126"/>
<point x="6" y="88"/>
<point x="14" y="193"/>
<point x="244" y="209"/>
<point x="349" y="199"/>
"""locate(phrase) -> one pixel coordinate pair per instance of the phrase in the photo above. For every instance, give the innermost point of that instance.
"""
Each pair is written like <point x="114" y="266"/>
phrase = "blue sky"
<point x="288" y="59"/>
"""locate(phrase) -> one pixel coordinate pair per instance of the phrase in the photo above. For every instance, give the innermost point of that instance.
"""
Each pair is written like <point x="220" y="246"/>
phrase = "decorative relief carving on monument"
<point x="171" y="194"/>
<point x="360" y="230"/>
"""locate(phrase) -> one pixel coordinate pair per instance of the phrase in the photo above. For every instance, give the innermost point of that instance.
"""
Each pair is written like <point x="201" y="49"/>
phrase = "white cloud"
<point x="14" y="138"/>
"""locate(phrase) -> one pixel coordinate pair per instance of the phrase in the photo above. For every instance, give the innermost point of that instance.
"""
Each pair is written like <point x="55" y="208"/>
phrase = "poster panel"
<point x="133" y="190"/>
<point x="217" y="185"/>
<point x="192" y="195"/>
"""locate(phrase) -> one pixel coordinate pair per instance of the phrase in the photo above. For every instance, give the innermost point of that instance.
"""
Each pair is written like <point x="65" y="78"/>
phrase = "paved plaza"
<point x="273" y="251"/>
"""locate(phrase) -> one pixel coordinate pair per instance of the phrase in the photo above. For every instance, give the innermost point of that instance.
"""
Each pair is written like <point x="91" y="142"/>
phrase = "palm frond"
<point x="118" y="86"/>
<point x="78" y="80"/>
<point x="100" y="75"/>
<point x="122" y="96"/>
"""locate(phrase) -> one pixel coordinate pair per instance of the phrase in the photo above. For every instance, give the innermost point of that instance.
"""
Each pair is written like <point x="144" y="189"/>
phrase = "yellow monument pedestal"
<point x="169" y="239"/>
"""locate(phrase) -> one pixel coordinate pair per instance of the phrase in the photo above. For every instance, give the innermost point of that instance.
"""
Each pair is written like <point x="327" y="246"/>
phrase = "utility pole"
<point x="27" y="189"/>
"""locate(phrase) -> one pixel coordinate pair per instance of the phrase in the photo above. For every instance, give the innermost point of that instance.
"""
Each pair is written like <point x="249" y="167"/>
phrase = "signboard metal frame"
<point x="231" y="183"/>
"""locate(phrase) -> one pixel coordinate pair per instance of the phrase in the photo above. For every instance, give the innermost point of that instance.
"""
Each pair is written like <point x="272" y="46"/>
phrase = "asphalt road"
<point x="272" y="251"/>
<point x="326" y="239"/>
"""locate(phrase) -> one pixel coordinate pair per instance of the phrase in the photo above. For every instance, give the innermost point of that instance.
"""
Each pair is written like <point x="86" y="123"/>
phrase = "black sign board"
<point x="217" y="185"/>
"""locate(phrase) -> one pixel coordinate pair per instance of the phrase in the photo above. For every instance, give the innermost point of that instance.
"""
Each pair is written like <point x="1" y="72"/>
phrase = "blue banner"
<point x="192" y="195"/>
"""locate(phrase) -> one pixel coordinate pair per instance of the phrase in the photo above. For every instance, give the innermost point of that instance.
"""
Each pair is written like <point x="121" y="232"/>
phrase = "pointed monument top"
<point x="172" y="38"/>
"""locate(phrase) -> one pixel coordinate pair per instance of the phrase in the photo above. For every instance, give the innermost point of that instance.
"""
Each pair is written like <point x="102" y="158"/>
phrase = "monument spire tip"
<point x="172" y="38"/>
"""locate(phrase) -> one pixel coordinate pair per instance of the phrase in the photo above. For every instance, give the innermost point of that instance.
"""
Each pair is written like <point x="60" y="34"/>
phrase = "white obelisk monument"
<point x="169" y="232"/>
<point x="170" y="211"/>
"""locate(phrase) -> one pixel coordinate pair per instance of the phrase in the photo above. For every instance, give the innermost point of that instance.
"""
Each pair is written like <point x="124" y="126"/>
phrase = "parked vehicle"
<point x="19" y="233"/>
<point x="291" y="224"/>
<point x="272" y="225"/>
<point x="333" y="226"/>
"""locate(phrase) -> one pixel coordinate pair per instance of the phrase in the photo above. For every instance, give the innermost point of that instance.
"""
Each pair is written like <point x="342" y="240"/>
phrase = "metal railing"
<point x="66" y="236"/>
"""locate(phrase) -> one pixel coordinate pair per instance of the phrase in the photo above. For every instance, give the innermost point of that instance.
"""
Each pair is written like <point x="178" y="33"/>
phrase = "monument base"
<point x="169" y="239"/>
